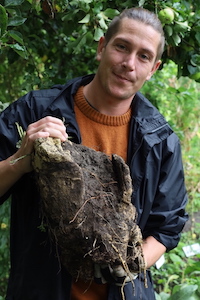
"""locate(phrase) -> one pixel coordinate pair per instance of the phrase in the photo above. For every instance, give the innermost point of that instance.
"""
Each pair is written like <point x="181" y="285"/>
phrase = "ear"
<point x="154" y="69"/>
<point x="100" y="48"/>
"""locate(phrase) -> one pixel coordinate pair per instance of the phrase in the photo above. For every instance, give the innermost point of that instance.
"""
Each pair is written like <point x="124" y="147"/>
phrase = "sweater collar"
<point x="96" y="116"/>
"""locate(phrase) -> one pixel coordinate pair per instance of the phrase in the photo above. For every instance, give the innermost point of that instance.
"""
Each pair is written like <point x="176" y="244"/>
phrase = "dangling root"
<point x="126" y="268"/>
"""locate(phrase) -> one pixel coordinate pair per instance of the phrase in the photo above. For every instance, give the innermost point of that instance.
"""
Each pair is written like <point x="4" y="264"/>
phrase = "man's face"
<point x="128" y="59"/>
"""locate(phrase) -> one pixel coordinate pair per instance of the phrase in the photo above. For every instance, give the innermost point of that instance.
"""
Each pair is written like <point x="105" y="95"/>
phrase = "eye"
<point x="121" y="47"/>
<point x="144" y="57"/>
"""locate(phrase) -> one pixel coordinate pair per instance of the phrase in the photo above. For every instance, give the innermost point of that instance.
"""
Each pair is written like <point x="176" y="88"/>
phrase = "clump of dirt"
<point x="86" y="200"/>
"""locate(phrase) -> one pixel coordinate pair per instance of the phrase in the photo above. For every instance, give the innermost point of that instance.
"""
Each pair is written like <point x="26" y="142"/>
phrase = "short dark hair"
<point x="142" y="15"/>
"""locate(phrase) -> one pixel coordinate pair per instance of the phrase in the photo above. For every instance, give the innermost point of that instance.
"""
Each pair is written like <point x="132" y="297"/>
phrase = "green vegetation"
<point x="179" y="277"/>
<point x="48" y="42"/>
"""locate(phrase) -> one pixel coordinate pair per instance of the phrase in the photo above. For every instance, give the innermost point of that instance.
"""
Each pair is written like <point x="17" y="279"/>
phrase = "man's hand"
<point x="113" y="275"/>
<point x="46" y="127"/>
<point x="18" y="164"/>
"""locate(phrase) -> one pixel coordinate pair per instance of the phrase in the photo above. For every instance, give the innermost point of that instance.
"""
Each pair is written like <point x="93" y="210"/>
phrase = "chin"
<point x="123" y="96"/>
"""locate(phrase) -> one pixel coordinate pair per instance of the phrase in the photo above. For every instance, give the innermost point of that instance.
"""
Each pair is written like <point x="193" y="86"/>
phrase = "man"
<point x="105" y="112"/>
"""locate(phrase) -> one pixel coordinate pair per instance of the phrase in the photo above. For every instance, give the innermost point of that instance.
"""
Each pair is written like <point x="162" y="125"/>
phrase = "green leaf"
<point x="141" y="2"/>
<point x="17" y="36"/>
<point x="86" y="1"/>
<point x="192" y="268"/>
<point x="171" y="89"/>
<point x="168" y="30"/>
<point x="195" y="274"/>
<point x="173" y="277"/>
<point x="98" y="34"/>
<point x="175" y="258"/>
<point x="186" y="292"/>
<point x="20" y="50"/>
<point x="17" y="47"/>
<point x="111" y="13"/>
<point x="79" y="44"/>
<point x="195" y="60"/>
<point x="157" y="297"/>
<point x="162" y="296"/>
<point x="102" y="23"/>
<point x="3" y="20"/>
<point x="181" y="26"/>
<point x="16" y="21"/>
<point x="13" y="2"/>
<point x="192" y="70"/>
<point x="176" y="38"/>
<point x="86" y="19"/>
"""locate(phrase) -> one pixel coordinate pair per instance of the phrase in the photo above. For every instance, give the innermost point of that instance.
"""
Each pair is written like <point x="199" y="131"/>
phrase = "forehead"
<point x="136" y="32"/>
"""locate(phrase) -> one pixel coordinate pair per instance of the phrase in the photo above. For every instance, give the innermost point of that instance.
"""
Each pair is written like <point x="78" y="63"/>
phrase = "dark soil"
<point x="86" y="201"/>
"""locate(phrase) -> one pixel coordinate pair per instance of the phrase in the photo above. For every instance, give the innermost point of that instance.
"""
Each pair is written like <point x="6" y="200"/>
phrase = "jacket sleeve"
<point x="161" y="197"/>
<point x="23" y="111"/>
<point x="167" y="217"/>
<point x="17" y="112"/>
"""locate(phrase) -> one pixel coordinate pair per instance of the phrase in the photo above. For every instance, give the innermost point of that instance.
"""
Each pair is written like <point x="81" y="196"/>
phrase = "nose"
<point x="129" y="62"/>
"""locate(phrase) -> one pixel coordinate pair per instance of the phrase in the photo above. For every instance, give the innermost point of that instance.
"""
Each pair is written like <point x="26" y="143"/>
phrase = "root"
<point x="142" y="262"/>
<point x="74" y="218"/>
<point x="86" y="201"/>
<point x="97" y="178"/>
<point x="109" y="226"/>
<point x="12" y="162"/>
<point x="126" y="268"/>
<point x="90" y="252"/>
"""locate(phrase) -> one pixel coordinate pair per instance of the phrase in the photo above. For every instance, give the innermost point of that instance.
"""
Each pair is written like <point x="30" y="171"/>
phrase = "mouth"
<point x="122" y="78"/>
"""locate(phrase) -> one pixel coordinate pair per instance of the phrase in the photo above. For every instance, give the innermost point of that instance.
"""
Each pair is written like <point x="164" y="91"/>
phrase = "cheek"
<point x="143" y="73"/>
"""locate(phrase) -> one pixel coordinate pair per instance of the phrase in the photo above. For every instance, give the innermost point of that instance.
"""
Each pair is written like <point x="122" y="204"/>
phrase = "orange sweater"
<point x="108" y="134"/>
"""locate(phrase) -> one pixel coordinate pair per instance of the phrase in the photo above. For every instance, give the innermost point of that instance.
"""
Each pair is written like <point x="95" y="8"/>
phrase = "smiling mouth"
<point x="122" y="78"/>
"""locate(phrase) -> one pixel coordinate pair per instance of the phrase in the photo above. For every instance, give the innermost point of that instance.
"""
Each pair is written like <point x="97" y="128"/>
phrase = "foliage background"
<point x="45" y="42"/>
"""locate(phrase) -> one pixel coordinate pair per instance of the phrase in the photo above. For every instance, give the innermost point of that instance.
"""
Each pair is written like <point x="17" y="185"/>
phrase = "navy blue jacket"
<point x="159" y="195"/>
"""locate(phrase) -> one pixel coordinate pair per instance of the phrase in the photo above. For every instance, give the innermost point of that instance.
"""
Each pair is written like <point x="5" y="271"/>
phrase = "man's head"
<point x="128" y="55"/>
<point x="141" y="15"/>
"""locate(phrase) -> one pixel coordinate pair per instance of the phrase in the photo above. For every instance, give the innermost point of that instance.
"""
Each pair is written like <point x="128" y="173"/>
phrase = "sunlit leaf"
<point x="21" y="50"/>
<point x="111" y="13"/>
<point x="86" y="19"/>
<point x="98" y="34"/>
<point x="141" y="2"/>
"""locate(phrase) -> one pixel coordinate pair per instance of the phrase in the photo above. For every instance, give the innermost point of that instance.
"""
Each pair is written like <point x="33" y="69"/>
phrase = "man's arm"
<point x="167" y="216"/>
<point x="152" y="250"/>
<point x="13" y="167"/>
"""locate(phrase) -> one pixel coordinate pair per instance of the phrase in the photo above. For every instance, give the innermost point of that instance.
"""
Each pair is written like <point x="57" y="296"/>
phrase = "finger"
<point x="47" y="122"/>
<point x="47" y="119"/>
<point x="119" y="271"/>
<point x="47" y="132"/>
<point x="122" y="275"/>
<point x="107" y="274"/>
<point x="48" y="126"/>
<point x="97" y="275"/>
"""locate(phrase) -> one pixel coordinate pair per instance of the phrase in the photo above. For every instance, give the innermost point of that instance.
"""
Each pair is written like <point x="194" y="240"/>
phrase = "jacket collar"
<point x="145" y="116"/>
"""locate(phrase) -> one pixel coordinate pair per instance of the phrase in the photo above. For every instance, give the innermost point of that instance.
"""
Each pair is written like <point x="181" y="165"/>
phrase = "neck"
<point x="104" y="103"/>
